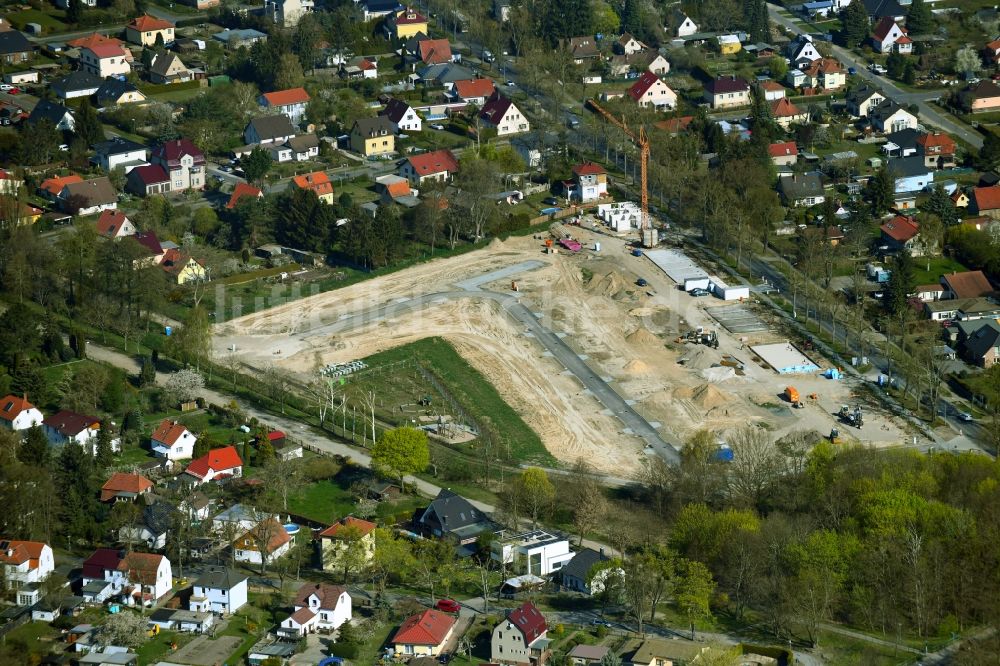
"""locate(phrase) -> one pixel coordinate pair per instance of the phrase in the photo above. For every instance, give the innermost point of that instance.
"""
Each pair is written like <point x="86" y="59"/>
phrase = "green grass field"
<point x="50" y="19"/>
<point x="930" y="269"/>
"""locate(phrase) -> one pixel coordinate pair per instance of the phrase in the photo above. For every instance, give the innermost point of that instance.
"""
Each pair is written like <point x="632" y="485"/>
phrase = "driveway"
<point x="205" y="651"/>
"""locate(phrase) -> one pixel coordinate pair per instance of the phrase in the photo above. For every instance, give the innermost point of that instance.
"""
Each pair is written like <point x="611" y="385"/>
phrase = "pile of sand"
<point x="718" y="374"/>
<point x="637" y="367"/>
<point x="610" y="285"/>
<point x="495" y="244"/>
<point x="642" y="336"/>
<point x="706" y="396"/>
<point x="701" y="358"/>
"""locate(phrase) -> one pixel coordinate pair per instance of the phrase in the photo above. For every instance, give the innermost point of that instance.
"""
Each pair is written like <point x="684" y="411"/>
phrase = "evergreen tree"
<point x="894" y="65"/>
<point x="765" y="129"/>
<point x="256" y="165"/>
<point x="566" y="18"/>
<point x="147" y="372"/>
<point x="756" y="20"/>
<point x="902" y="281"/>
<point x="630" y="17"/>
<point x="34" y="449"/>
<point x="854" y="23"/>
<point x="909" y="73"/>
<point x="104" y="456"/>
<point x="880" y="190"/>
<point x="989" y="154"/>
<point x="940" y="204"/>
<point x="265" y="452"/>
<point x="74" y="11"/>
<point x="919" y="20"/>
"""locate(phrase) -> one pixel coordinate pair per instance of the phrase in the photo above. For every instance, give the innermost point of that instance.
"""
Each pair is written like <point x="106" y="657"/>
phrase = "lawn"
<point x="180" y="95"/>
<point x="323" y="501"/>
<point x="928" y="270"/>
<point x="158" y="648"/>
<point x="38" y="638"/>
<point x="49" y="19"/>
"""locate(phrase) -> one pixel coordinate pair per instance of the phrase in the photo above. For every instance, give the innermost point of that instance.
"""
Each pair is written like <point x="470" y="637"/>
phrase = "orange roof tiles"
<point x="784" y="149"/>
<point x="287" y="97"/>
<point x="12" y="405"/>
<point x="901" y="229"/>
<point x="783" y="108"/>
<point x="53" y="186"/>
<point x="986" y="198"/>
<point x="362" y="526"/>
<point x="243" y="190"/>
<point x="434" y="162"/>
<point x="317" y="181"/>
<point x="120" y="482"/>
<point x="427" y="628"/>
<point x="468" y="88"/>
<point x="147" y="23"/>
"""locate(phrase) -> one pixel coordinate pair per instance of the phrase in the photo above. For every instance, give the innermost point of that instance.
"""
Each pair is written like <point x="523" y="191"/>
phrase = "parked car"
<point x="641" y="282"/>
<point x="965" y="416"/>
<point x="852" y="71"/>
<point x="448" y="606"/>
<point x="550" y="201"/>
<point x="6" y="87"/>
<point x="698" y="292"/>
<point x="437" y="126"/>
<point x="13" y="91"/>
<point x="511" y="84"/>
<point x="444" y="658"/>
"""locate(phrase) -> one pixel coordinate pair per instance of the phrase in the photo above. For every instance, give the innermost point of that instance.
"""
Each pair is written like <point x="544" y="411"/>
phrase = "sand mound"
<point x="642" y="312"/>
<point x="701" y="358"/>
<point x="637" y="367"/>
<point x="610" y="285"/>
<point x="642" y="336"/>
<point x="706" y="396"/>
<point x="718" y="374"/>
<point x="496" y="244"/>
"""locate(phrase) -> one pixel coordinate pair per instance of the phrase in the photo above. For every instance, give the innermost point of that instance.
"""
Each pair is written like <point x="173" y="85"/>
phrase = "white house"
<point x="629" y="45"/>
<point x="119" y="152"/>
<point x="317" y="606"/>
<point x="237" y="519"/>
<point x="685" y="26"/>
<point x="520" y="638"/>
<point x="287" y="13"/>
<point x="538" y="553"/>
<point x="801" y="50"/>
<point x="182" y="620"/>
<point x="66" y="426"/>
<point x="650" y="90"/>
<point x="215" y="465"/>
<point x="437" y="165"/>
<point x="266" y="537"/>
<point x="172" y="440"/>
<point x="500" y="114"/>
<point x="890" y="117"/>
<point x="402" y="115"/>
<point x="16" y="413"/>
<point x="887" y="36"/>
<point x="115" y="224"/>
<point x="140" y="578"/>
<point x="104" y="60"/>
<point x="620" y="215"/>
<point x="291" y="102"/>
<point x="25" y="564"/>
<point x="222" y="591"/>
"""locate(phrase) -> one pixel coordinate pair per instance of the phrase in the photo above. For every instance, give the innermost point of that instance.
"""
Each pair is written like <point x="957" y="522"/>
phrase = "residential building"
<point x="287" y="13"/>
<point x="968" y="284"/>
<point x="359" y="68"/>
<point x="216" y="465"/>
<point x="268" y="540"/>
<point x="588" y="655"/>
<point x="16" y="413"/>
<point x="219" y="590"/>
<point x="168" y="68"/>
<point x="182" y="163"/>
<point x="787" y="114"/>
<point x="66" y="426"/>
<point x="520" y="639"/>
<point x="54" y="113"/>
<point x="435" y="166"/>
<point x="891" y="117"/>
<point x="125" y="487"/>
<point x="772" y="90"/>
<point x="114" y="224"/>
<point x="88" y="197"/>
<point x="727" y="91"/>
<point x="9" y="184"/>
<point x="902" y="233"/>
<point x="577" y="575"/>
<point x="182" y="620"/>
<point x="826" y="74"/>
<point x="395" y="189"/>
<point x="538" y="553"/>
<point x="234" y="39"/>
<point x="650" y="90"/>
<point x="243" y="191"/>
<point x="373" y="9"/>
<point x="237" y="519"/>
<point x="423" y="635"/>
<point x="981" y="96"/>
<point x="291" y="102"/>
<point x="318" y="183"/>
<point x="317" y="607"/>
<point x="660" y="652"/>
<point x="347" y="533"/>
<point x="402" y="115"/>
<point x="146" y="30"/>
<point x="80" y="83"/>
<point x="728" y="44"/>
<point x="444" y="74"/>
<point x="685" y="26"/>
<point x="50" y="188"/>
<point x="114" y="92"/>
<point x="783" y="154"/>
<point x="937" y="149"/>
<point x="406" y="23"/>
<point x="107" y="58"/>
<point x="581" y="49"/>
<point x="26" y="564"/>
<point x="985" y="201"/>
<point x="802" y="189"/>
<point x="983" y="346"/>
<point x="147" y="179"/>
<point x="172" y="440"/>
<point x="267" y="130"/>
<point x="880" y="9"/>
<point x="452" y="516"/>
<point x="961" y="200"/>
<point x="861" y="101"/>
<point x="15" y="48"/>
<point x="628" y="45"/>
<point x="119" y="152"/>
<point x="991" y="53"/>
<point x="644" y="61"/>
<point x="434" y="51"/>
<point x="910" y="174"/>
<point x="902" y="143"/>
<point x="591" y="182"/>
<point x="140" y="578"/>
<point x="373" y="136"/>
<point x="499" y="113"/>
<point x="153" y="251"/>
<point x="151" y="529"/>
<point x="802" y="51"/>
<point x="888" y="36"/>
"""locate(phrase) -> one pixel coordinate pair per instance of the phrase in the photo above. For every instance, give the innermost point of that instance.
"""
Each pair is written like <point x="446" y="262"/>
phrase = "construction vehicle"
<point x="853" y="417"/>
<point x="649" y="235"/>
<point x="834" y="436"/>
<point x="792" y="396"/>
<point x="701" y="336"/>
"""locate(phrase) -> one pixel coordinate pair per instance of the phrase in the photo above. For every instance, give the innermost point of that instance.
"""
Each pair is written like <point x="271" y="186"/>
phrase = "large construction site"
<point x="679" y="363"/>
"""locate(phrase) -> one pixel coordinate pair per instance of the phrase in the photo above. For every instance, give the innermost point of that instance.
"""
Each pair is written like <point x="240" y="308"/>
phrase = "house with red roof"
<point x="182" y="268"/>
<point x="785" y="153"/>
<point x="825" y="74"/>
<point x="772" y="90"/>
<point x="406" y="24"/>
<point x="105" y="59"/>
<point x="264" y="542"/>
<point x="241" y="191"/>
<point x="500" y="114"/>
<point x="787" y="114"/>
<point x="425" y="634"/>
<point x="291" y="102"/>
<point x="51" y="188"/>
<point x="435" y="166"/>
<point x="434" y="51"/>
<point x="985" y="201"/>
<point x="590" y="182"/>
<point x="520" y="640"/>
<point x="348" y="532"/>
<point x="25" y="565"/>
<point x="937" y="149"/>
<point x="145" y="30"/>
<point x="114" y="224"/>
<point x="317" y="606"/>
<point x="175" y="166"/>
<point x="152" y="249"/>
<point x="172" y="440"/>
<point x="888" y="36"/>
<point x="674" y="126"/>
<point x="70" y="427"/>
<point x="967" y="284"/>
<point x="216" y="465"/>
<point x="902" y="233"/>
<point x="16" y="413"/>
<point x="316" y="182"/>
<point x="650" y="90"/>
<point x="139" y="578"/>
<point x="991" y="53"/>
<point x="727" y="91"/>
<point x="125" y="487"/>
<point x="473" y="91"/>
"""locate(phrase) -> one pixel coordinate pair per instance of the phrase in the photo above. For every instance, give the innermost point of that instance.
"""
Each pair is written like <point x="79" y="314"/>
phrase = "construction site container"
<point x="792" y="394"/>
<point x="727" y="293"/>
<point x="696" y="283"/>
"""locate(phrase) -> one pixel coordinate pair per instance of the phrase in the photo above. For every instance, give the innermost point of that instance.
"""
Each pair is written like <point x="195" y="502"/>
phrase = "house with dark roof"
<point x="727" y="91"/>
<point x="70" y="427"/>
<point x="980" y="97"/>
<point x="234" y="39"/>
<point x="219" y="590"/>
<point x="451" y="516"/>
<point x="576" y="575"/>
<point x="499" y="113"/>
<point x="581" y="48"/>
<point x="139" y="578"/>
<point x="53" y="112"/>
<point x="902" y="143"/>
<point x="88" y="197"/>
<point x="402" y="115"/>
<point x="520" y="639"/>
<point x="435" y="166"/>
<point x="114" y="92"/>
<point x="119" y="152"/>
<point x="267" y="130"/>
<point x="80" y="83"/>
<point x="16" y="413"/>
<point x="862" y="100"/>
<point x="880" y="9"/>
<point x="157" y="519"/>
<point x="373" y="136"/>
<point x="983" y="346"/>
<point x="890" y="117"/>
<point x="910" y="174"/>
<point x="444" y="73"/>
<point x="317" y="607"/>
<point x="802" y="189"/>
<point x="15" y="48"/>
<point x="168" y="68"/>
<point x="183" y="164"/>
<point x="423" y="635"/>
<point x="373" y="9"/>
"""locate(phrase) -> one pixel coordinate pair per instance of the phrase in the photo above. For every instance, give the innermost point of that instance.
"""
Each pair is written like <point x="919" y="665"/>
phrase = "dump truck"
<point x="792" y="396"/>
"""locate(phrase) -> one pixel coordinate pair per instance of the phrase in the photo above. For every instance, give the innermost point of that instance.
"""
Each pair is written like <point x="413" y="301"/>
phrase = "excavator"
<point x="853" y="417"/>
<point x="701" y="336"/>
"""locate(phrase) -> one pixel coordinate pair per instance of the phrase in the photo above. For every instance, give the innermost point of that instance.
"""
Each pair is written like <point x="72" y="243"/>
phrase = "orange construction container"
<point x="792" y="394"/>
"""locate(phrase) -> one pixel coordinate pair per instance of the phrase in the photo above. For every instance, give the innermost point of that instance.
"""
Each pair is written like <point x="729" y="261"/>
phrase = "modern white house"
<point x="16" y="413"/>
<point x="402" y="115"/>
<point x="317" y="606"/>
<point x="119" y="152"/>
<point x="222" y="591"/>
<point x="25" y="565"/>
<point x="539" y="553"/>
<point x="66" y="426"/>
<point x="140" y="578"/>
<point x="173" y="441"/>
<point x="500" y="114"/>
<point x="685" y="26"/>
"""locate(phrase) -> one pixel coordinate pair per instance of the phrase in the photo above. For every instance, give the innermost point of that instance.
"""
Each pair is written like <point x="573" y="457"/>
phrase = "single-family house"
<point x="406" y="23"/>
<point x="591" y="182"/>
<point x="929" y="292"/>
<point x="80" y="83"/>
<point x="628" y="45"/>
<point x="54" y="113"/>
<point x="802" y="189"/>
<point x="582" y="49"/>
<point x="151" y="529"/>
<point x="902" y="143"/>
<point x="880" y="9"/>
<point x="287" y="13"/>
<point x="147" y="30"/>
<point x="360" y="68"/>
<point x="787" y="114"/>
<point x="9" y="183"/>
<point x="182" y="620"/>
<point x="402" y="115"/>
<point x="772" y="90"/>
<point x="891" y="117"/>
<point x="434" y="51"/>
<point x="937" y="149"/>
<point x="268" y="130"/>
<point x="26" y="564"/>
<point x="910" y="174"/>
<point x="237" y="519"/>
<point x="861" y="101"/>
<point x="291" y="102"/>
<point x="66" y="426"/>
<point x="104" y="58"/>
<point x="435" y="166"/>
<point x="785" y="153"/>
<point x="316" y="182"/>
<point x="578" y="575"/>
<point x="50" y="188"/>
<point x="373" y="136"/>
<point x="967" y="284"/>
<point x="125" y="487"/>
<point x="241" y="191"/>
<point x="181" y="165"/>
<point x="119" y="152"/>
<point x="444" y="74"/>
<point x="985" y="201"/>
<point x="393" y="189"/>
<point x="172" y="440"/>
<point x="991" y="53"/>
<point x="826" y="74"/>
<point x="538" y="553"/>
<point x="140" y="578"/>
<point x="373" y="9"/>
<point x="317" y="606"/>
<point x="588" y="655"/>
<point x="267" y="540"/>
<point x="888" y="36"/>
<point x="346" y="535"/>
<point x="219" y="590"/>
<point x="983" y="346"/>
<point x="114" y="224"/>
<point x="234" y="39"/>
<point x="650" y="90"/>
<point x="685" y="27"/>
<point x="901" y="233"/>
<point x="151" y="249"/>
<point x="728" y="44"/>
<point x="674" y="126"/>
<point x="16" y="413"/>
<point x="801" y="51"/>
<point x="423" y="635"/>
<point x="520" y="639"/>
<point x="303" y="147"/>
<point x="473" y="91"/>
<point x="453" y="517"/>
<point x="660" y="652"/>
<point x="15" y="47"/>
<point x="500" y="114"/>
<point x="960" y="199"/>
<point x="217" y="464"/>
<point x="88" y="197"/>
<point x="727" y="91"/>
<point x="168" y="68"/>
<point x="114" y="92"/>
<point x="981" y="96"/>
